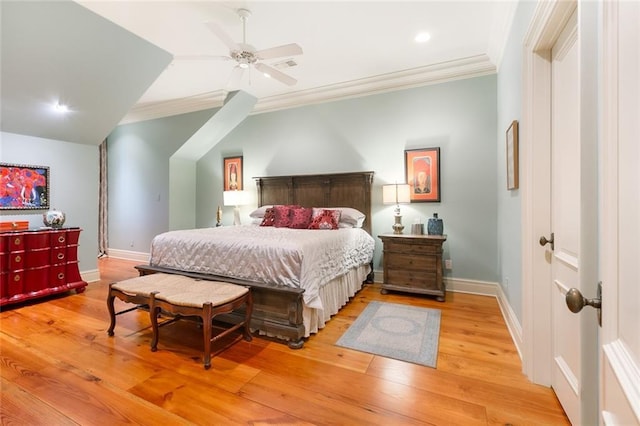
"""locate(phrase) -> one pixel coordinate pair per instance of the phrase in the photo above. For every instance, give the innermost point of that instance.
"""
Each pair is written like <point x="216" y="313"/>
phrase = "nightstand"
<point x="413" y="263"/>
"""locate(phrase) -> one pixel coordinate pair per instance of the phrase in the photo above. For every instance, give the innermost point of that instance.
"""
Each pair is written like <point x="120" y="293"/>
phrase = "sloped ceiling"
<point x="113" y="61"/>
<point x="62" y="52"/>
<point x="350" y="47"/>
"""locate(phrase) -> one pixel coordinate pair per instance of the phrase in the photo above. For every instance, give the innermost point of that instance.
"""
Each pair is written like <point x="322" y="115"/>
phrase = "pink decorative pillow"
<point x="326" y="219"/>
<point x="269" y="217"/>
<point x="282" y="216"/>
<point x="300" y="218"/>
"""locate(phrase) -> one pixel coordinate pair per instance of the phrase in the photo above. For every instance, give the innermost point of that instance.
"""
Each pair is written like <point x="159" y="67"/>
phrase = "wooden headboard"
<point x="327" y="190"/>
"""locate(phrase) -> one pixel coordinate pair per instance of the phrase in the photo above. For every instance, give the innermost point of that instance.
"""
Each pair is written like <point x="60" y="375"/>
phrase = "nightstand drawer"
<point x="411" y="247"/>
<point x="410" y="262"/>
<point x="412" y="279"/>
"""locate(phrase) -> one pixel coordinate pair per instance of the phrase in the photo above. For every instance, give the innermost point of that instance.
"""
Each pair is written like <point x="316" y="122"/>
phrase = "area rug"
<point x="402" y="332"/>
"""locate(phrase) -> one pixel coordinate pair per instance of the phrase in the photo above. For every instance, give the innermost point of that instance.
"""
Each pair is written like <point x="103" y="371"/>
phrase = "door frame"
<point x="548" y="21"/>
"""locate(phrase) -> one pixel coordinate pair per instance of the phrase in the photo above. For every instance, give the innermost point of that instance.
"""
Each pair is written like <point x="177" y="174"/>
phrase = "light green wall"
<point x="371" y="133"/>
<point x="74" y="172"/>
<point x="139" y="180"/>
<point x="509" y="202"/>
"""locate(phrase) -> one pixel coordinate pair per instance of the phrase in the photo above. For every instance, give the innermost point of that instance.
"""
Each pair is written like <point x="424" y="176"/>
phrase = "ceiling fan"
<point x="246" y="55"/>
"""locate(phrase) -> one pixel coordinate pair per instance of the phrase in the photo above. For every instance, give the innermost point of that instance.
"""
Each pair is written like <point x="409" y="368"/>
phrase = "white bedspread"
<point x="299" y="258"/>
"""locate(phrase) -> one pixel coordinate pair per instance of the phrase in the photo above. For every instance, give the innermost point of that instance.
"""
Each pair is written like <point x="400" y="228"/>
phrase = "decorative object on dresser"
<point x="23" y="187"/>
<point x="422" y="168"/>
<point x="512" y="155"/>
<point x="54" y="218"/>
<point x="38" y="263"/>
<point x="14" y="225"/>
<point x="397" y="194"/>
<point x="413" y="263"/>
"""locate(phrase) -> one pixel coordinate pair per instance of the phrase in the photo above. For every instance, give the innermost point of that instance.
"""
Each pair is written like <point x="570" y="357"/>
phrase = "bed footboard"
<point x="277" y="310"/>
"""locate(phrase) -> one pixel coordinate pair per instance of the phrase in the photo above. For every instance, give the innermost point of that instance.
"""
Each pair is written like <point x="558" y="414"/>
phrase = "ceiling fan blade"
<point x="279" y="51"/>
<point x="274" y="73"/>
<point x="222" y="35"/>
<point x="235" y="79"/>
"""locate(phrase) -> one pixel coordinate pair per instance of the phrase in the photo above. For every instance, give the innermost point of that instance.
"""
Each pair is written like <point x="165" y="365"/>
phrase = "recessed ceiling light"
<point x="422" y="37"/>
<point x="61" y="108"/>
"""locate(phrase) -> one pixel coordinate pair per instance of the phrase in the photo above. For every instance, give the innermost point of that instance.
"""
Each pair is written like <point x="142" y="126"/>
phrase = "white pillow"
<point x="259" y="212"/>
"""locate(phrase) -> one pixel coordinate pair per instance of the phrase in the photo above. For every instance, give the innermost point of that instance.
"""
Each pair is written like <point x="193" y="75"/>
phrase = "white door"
<point x="566" y="217"/>
<point x="620" y="216"/>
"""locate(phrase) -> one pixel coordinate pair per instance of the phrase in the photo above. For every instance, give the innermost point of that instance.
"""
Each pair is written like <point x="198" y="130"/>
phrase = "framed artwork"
<point x="232" y="173"/>
<point x="512" y="156"/>
<point x="23" y="187"/>
<point x="422" y="169"/>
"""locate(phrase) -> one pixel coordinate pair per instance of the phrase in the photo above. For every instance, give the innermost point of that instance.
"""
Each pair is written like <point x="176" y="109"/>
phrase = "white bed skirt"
<point x="334" y="295"/>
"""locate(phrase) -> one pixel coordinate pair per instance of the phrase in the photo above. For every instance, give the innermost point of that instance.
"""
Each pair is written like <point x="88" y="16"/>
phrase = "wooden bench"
<point x="182" y="296"/>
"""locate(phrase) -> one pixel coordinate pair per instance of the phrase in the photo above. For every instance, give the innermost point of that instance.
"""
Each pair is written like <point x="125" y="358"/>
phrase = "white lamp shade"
<point x="396" y="193"/>
<point x="235" y="198"/>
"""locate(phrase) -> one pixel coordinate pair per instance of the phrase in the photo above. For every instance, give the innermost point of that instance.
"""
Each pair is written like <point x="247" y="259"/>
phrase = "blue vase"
<point x="435" y="226"/>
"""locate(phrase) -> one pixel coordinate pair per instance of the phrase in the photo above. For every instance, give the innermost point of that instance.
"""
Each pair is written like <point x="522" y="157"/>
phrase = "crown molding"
<point x="151" y="110"/>
<point x="474" y="66"/>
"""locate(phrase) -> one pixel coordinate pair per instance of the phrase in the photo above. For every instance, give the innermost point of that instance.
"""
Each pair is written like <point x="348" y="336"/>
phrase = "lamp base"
<point x="398" y="227"/>
<point x="236" y="216"/>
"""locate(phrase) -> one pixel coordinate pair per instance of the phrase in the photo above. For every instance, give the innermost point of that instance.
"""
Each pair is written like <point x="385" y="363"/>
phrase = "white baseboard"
<point x="129" y="255"/>
<point x="484" y="288"/>
<point x="90" y="276"/>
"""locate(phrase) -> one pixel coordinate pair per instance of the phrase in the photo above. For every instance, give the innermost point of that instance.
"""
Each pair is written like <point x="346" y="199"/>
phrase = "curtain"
<point x="103" y="241"/>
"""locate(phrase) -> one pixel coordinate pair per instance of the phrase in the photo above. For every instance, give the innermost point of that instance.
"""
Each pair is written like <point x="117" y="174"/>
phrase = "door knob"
<point x="576" y="301"/>
<point x="544" y="241"/>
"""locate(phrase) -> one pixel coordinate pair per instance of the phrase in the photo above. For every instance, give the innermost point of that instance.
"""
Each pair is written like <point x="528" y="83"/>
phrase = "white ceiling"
<point x="115" y="61"/>
<point x="350" y="47"/>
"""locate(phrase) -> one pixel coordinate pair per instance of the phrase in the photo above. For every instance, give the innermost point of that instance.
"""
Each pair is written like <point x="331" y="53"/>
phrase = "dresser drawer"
<point x="58" y="238"/>
<point x="36" y="258"/>
<point x="16" y="260"/>
<point x="36" y="240"/>
<point x="58" y="255"/>
<point x="36" y="279"/>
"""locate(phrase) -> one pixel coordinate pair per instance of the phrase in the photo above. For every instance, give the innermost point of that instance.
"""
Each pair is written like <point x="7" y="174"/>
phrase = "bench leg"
<point x="153" y="314"/>
<point x="206" y="330"/>
<point x="112" y="312"/>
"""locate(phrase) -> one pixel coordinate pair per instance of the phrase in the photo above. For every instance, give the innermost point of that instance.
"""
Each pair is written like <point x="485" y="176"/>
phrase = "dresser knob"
<point x="16" y="278"/>
<point x="61" y="276"/>
<point x="17" y="241"/>
<point x="18" y="258"/>
<point x="61" y="239"/>
<point x="60" y="256"/>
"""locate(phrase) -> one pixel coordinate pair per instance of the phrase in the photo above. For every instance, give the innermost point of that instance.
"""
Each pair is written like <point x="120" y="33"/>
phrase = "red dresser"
<point x="38" y="263"/>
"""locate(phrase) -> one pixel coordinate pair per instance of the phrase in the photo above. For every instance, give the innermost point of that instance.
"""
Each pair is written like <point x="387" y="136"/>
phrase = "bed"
<point x="318" y="271"/>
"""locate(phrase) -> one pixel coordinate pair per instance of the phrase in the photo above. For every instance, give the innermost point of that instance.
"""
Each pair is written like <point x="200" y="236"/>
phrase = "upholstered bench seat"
<point x="183" y="296"/>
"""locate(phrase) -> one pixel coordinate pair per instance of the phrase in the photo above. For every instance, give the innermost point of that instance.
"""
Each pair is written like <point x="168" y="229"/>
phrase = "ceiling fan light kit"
<point x="246" y="55"/>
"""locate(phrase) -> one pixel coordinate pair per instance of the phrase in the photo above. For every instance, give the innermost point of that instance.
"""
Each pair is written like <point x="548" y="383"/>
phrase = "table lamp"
<point x="235" y="199"/>
<point x="398" y="193"/>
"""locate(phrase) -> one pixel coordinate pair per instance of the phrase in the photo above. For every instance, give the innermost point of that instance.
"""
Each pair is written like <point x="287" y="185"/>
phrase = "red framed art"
<point x="422" y="168"/>
<point x="232" y="173"/>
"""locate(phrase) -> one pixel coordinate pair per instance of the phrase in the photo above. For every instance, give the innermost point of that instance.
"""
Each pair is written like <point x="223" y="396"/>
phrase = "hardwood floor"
<point x="58" y="366"/>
